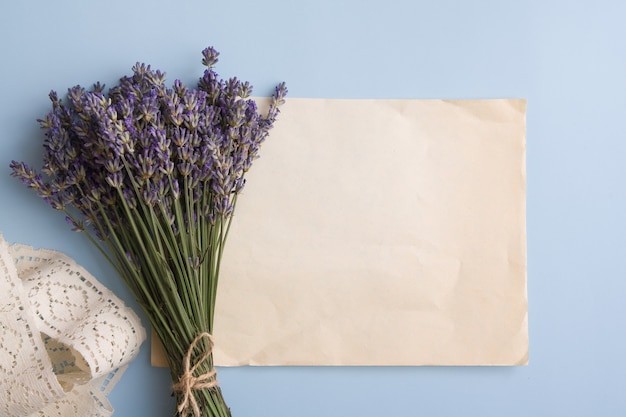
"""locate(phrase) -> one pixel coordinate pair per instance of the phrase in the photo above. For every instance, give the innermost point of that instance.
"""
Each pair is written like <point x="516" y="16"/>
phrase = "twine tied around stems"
<point x="187" y="382"/>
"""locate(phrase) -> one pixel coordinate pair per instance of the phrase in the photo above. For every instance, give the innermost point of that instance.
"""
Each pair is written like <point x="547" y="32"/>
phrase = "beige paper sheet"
<point x="380" y="232"/>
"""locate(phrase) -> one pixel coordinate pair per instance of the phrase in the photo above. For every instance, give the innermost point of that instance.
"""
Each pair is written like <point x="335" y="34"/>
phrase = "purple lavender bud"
<point x="194" y="262"/>
<point x="184" y="169"/>
<point x="111" y="114"/>
<point x="180" y="137"/>
<point x="160" y="188"/>
<point x="113" y="165"/>
<point x="239" y="184"/>
<point x="58" y="185"/>
<point x="175" y="189"/>
<point x="147" y="166"/>
<point x="233" y="86"/>
<point x="223" y="207"/>
<point x="97" y="87"/>
<point x="77" y="225"/>
<point x="158" y="136"/>
<point x="191" y="101"/>
<point x="194" y="178"/>
<point x="191" y="120"/>
<point x="280" y="92"/>
<point x="184" y="153"/>
<point x="150" y="196"/>
<point x="68" y="198"/>
<point x="148" y="108"/>
<point x="130" y="199"/>
<point x="44" y="191"/>
<point x="170" y="218"/>
<point x="209" y="57"/>
<point x="22" y="171"/>
<point x="124" y="109"/>
<point x="210" y="84"/>
<point x="54" y="98"/>
<point x="167" y="168"/>
<point x="55" y="201"/>
<point x="180" y="88"/>
<point x="128" y="145"/>
<point x="115" y="180"/>
<point x="139" y="70"/>
<point x="245" y="90"/>
<point x="75" y="96"/>
<point x="94" y="195"/>
<point x="142" y="139"/>
<point x="76" y="175"/>
<point x="156" y="78"/>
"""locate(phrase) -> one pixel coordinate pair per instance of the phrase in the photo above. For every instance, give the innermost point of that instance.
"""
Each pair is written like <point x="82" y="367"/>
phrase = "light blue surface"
<point x="568" y="58"/>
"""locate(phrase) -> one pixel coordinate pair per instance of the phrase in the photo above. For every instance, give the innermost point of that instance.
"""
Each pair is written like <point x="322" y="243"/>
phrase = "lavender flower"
<point x="102" y="148"/>
<point x="152" y="174"/>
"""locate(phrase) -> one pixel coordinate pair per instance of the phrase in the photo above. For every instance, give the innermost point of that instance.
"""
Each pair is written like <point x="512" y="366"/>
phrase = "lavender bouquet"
<point x="152" y="174"/>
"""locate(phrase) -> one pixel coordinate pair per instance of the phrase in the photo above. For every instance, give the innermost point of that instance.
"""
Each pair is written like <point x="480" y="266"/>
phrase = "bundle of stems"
<point x="152" y="174"/>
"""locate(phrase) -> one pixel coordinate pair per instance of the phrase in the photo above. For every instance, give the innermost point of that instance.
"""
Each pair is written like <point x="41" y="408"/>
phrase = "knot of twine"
<point x="187" y="382"/>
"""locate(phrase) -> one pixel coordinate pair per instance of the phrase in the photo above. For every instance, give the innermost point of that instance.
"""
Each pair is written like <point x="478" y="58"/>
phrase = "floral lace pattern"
<point x="65" y="339"/>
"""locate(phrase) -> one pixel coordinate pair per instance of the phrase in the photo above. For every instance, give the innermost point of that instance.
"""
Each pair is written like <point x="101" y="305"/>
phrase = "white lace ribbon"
<point x="65" y="339"/>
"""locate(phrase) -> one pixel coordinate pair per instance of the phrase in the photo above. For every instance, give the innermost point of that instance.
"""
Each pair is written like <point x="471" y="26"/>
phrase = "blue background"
<point x="568" y="58"/>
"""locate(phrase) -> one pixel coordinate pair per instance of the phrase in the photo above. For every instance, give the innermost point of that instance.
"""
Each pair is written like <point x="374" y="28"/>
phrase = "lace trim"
<point x="64" y="338"/>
